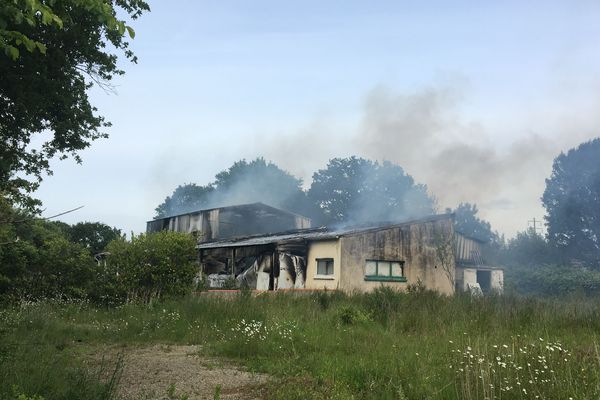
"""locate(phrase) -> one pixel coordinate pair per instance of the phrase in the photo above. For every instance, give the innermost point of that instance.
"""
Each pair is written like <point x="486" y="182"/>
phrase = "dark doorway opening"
<point x="484" y="278"/>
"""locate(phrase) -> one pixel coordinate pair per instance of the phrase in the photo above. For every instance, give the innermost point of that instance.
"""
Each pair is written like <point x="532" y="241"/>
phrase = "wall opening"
<point x="484" y="278"/>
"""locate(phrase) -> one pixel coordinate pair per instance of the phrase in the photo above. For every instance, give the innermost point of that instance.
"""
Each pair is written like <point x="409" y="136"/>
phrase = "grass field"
<point x="382" y="345"/>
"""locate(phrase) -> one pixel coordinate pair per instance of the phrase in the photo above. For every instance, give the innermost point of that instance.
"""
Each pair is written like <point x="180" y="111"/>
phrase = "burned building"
<point x="473" y="273"/>
<point x="231" y="221"/>
<point x="426" y="251"/>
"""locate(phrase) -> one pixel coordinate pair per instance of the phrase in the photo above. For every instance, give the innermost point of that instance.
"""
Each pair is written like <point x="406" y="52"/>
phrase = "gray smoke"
<point x="245" y="182"/>
<point x="459" y="160"/>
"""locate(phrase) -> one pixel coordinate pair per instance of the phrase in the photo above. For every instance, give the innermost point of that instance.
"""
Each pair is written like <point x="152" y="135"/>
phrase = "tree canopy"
<point x="259" y="180"/>
<point x="528" y="249"/>
<point x="94" y="236"/>
<point x="52" y="52"/>
<point x="358" y="190"/>
<point x="185" y="198"/>
<point x="468" y="223"/>
<point x="243" y="182"/>
<point x="347" y="190"/>
<point x="572" y="202"/>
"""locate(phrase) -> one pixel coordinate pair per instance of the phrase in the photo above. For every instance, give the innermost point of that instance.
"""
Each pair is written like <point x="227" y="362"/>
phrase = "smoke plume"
<point x="460" y="160"/>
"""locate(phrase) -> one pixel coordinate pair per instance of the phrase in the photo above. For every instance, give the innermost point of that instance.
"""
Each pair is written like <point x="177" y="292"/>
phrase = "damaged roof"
<point x="257" y="205"/>
<point x="313" y="234"/>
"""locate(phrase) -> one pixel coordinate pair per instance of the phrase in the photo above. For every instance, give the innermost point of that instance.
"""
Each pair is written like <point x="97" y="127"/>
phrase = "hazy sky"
<point x="473" y="99"/>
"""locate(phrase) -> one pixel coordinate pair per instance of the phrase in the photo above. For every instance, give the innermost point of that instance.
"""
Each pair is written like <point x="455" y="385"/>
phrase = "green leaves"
<point x="12" y="52"/>
<point x="154" y="265"/>
<point x="130" y="31"/>
<point x="13" y="16"/>
<point x="49" y="50"/>
<point x="571" y="200"/>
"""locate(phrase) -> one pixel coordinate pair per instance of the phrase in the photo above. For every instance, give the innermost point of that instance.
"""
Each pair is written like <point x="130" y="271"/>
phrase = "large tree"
<point x="357" y="190"/>
<point x="572" y="202"/>
<point x="243" y="182"/>
<point x="257" y="180"/>
<point x="185" y="198"/>
<point x="52" y="52"/>
<point x="94" y="236"/>
<point x="468" y="223"/>
<point x="528" y="249"/>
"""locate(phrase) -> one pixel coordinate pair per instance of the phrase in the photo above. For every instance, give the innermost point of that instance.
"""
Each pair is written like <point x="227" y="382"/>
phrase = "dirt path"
<point x="170" y="372"/>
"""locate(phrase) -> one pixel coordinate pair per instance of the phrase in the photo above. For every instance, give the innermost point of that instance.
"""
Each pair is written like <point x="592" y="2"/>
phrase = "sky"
<point x="473" y="99"/>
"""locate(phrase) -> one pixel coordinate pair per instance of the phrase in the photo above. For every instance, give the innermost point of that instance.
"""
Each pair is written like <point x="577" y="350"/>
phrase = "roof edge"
<point x="258" y="203"/>
<point x="328" y="233"/>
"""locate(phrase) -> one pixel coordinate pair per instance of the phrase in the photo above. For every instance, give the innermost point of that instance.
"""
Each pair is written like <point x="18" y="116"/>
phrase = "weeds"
<point x="380" y="345"/>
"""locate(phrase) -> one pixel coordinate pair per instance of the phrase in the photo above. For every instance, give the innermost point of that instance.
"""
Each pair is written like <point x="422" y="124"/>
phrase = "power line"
<point x="533" y="224"/>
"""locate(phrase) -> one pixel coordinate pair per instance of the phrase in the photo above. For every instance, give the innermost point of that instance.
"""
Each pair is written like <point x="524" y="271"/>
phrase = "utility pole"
<point x="533" y="225"/>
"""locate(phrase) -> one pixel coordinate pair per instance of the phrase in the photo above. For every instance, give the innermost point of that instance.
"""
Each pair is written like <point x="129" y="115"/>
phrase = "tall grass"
<point x="380" y="345"/>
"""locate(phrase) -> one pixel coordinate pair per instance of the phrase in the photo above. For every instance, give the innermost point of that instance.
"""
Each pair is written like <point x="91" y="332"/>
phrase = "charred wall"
<point x="235" y="222"/>
<point x="426" y="249"/>
<point x="232" y="221"/>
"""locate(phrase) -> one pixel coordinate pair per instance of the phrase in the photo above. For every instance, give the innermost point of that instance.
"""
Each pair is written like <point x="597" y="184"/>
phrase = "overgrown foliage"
<point x="37" y="260"/>
<point x="153" y="266"/>
<point x="380" y="345"/>
<point x="552" y="280"/>
<point x="53" y="260"/>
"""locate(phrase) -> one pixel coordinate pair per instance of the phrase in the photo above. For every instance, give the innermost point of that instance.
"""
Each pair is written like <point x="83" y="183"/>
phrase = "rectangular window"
<point x="381" y="270"/>
<point x="371" y="268"/>
<point x="324" y="266"/>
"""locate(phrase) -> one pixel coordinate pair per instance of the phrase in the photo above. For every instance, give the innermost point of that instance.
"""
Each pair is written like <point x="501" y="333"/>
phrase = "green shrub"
<point x="351" y="315"/>
<point x="553" y="280"/>
<point x="44" y="264"/>
<point x="383" y="302"/>
<point x="153" y="266"/>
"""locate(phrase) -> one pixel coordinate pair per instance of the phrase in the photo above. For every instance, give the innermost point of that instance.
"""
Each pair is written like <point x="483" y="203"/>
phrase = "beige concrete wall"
<point x="469" y="277"/>
<point x="418" y="245"/>
<point x="498" y="280"/>
<point x="323" y="249"/>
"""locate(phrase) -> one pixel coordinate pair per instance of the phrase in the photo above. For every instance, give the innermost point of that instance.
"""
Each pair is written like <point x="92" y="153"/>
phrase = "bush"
<point x="350" y="315"/>
<point x="43" y="264"/>
<point x="553" y="280"/>
<point x="383" y="302"/>
<point x="153" y="266"/>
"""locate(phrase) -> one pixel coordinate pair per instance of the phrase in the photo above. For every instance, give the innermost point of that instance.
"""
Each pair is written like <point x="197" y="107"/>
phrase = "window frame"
<point x="385" y="278"/>
<point x="327" y="260"/>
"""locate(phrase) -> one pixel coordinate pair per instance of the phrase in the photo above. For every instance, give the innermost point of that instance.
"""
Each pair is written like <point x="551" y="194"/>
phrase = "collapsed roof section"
<point x="231" y="221"/>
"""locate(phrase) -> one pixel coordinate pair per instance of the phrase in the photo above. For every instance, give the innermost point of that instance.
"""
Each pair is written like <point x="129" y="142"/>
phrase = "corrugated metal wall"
<point x="468" y="250"/>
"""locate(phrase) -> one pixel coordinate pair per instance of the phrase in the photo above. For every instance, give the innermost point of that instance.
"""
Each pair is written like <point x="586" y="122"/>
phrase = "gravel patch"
<point x="172" y="372"/>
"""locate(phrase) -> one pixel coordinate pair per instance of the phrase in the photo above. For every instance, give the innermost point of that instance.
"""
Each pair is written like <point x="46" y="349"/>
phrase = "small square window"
<point x="324" y="266"/>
